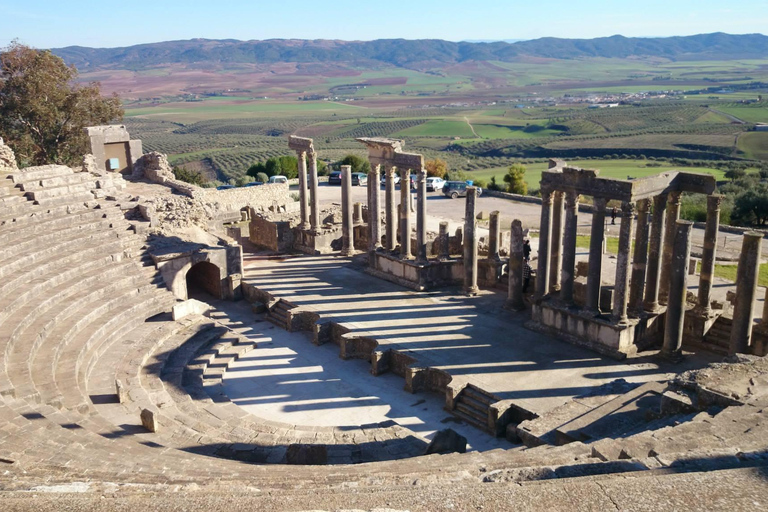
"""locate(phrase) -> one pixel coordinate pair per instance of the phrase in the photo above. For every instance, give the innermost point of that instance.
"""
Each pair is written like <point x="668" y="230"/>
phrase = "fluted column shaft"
<point x="556" y="242"/>
<point x="640" y="259"/>
<point x="405" y="213"/>
<point x="470" y="243"/>
<point x="704" y="306"/>
<point x="654" y="255"/>
<point x="568" y="271"/>
<point x="374" y="208"/>
<point x="678" y="274"/>
<point x="303" y="199"/>
<point x="545" y="230"/>
<point x="673" y="215"/>
<point x="621" y="284"/>
<point x="494" y="234"/>
<point x="746" y="291"/>
<point x="391" y="208"/>
<point x="314" y="198"/>
<point x="421" y="217"/>
<point x="594" y="277"/>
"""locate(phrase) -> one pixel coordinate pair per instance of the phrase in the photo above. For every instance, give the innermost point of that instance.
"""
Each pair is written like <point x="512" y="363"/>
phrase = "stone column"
<point x="421" y="217"/>
<point x="347" y="231"/>
<point x="303" y="200"/>
<point x="569" y="246"/>
<point x="594" y="277"/>
<point x="314" y="219"/>
<point x="621" y="285"/>
<point x="391" y="208"/>
<point x="654" y="255"/>
<point x="673" y="215"/>
<point x="542" y="272"/>
<point x="678" y="274"/>
<point x="746" y="290"/>
<point x="445" y="243"/>
<point x="470" y="243"/>
<point x="704" y="306"/>
<point x="494" y="236"/>
<point x="556" y="242"/>
<point x="639" y="259"/>
<point x="405" y="214"/>
<point x="358" y="213"/>
<point x="515" y="292"/>
<point x="374" y="209"/>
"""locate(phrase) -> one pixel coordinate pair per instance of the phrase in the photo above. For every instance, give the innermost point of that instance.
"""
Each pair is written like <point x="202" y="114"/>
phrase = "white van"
<point x="278" y="179"/>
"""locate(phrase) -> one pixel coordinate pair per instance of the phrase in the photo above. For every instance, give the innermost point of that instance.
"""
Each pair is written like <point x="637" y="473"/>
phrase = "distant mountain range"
<point x="413" y="54"/>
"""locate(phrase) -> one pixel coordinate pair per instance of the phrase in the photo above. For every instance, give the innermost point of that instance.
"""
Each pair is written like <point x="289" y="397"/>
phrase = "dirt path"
<point x="471" y="127"/>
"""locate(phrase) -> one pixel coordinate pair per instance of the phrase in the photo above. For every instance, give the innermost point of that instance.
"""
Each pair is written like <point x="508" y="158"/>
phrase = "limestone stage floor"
<point x="472" y="338"/>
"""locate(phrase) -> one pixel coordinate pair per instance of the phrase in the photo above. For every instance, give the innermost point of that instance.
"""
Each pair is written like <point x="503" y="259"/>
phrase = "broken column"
<point x="673" y="214"/>
<point x="515" y="292"/>
<point x="470" y="243"/>
<point x="639" y="259"/>
<point x="568" y="271"/>
<point x="391" y="208"/>
<point x="542" y="273"/>
<point x="621" y="285"/>
<point x="677" y="289"/>
<point x="314" y="198"/>
<point x="421" y="217"/>
<point x="357" y="216"/>
<point x="746" y="290"/>
<point x="494" y="236"/>
<point x="703" y="306"/>
<point x="556" y="242"/>
<point x="594" y="277"/>
<point x="374" y="209"/>
<point x="347" y="231"/>
<point x="653" y="272"/>
<point x="444" y="241"/>
<point x="405" y="214"/>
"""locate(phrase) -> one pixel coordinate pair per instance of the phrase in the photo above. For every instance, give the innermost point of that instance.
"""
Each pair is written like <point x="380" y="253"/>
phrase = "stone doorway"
<point x="204" y="278"/>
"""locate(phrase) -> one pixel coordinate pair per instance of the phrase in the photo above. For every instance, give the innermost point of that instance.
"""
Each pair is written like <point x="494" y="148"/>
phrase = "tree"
<point x="515" y="180"/>
<point x="192" y="177"/>
<point x="751" y="207"/>
<point x="358" y="164"/>
<point x="436" y="167"/>
<point x="43" y="112"/>
<point x="735" y="174"/>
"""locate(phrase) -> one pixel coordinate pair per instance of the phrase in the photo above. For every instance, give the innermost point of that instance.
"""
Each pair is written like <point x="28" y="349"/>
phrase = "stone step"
<point x="472" y="420"/>
<point x="478" y="395"/>
<point x="469" y="401"/>
<point x="81" y="197"/>
<point x="35" y="240"/>
<point x="65" y="180"/>
<point x="39" y="173"/>
<point x="479" y="416"/>
<point x="51" y="223"/>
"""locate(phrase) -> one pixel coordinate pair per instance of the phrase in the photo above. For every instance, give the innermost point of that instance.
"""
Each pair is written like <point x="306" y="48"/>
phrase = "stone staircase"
<point x="279" y="314"/>
<point x="473" y="407"/>
<point x="718" y="338"/>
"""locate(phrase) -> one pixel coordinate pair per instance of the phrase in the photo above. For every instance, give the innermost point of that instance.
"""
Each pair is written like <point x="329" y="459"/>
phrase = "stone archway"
<point x="204" y="277"/>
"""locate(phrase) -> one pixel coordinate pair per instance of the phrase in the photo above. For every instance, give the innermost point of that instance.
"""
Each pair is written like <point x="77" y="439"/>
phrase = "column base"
<point x="471" y="291"/>
<point x="672" y="356"/>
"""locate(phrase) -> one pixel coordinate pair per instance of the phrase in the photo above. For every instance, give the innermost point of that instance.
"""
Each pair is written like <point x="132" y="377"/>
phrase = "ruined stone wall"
<point x="7" y="157"/>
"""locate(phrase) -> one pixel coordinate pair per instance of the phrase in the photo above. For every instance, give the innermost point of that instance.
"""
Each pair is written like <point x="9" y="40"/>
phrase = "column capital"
<point x="674" y="197"/>
<point x="714" y="201"/>
<point x="546" y="196"/>
<point x="643" y="206"/>
<point x="599" y="203"/>
<point x="628" y="209"/>
<point x="572" y="199"/>
<point x="390" y="170"/>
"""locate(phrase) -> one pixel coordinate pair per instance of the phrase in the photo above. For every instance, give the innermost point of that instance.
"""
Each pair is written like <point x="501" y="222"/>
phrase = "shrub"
<point x="515" y="180"/>
<point x="358" y="164"/>
<point x="262" y="177"/>
<point x="493" y="185"/>
<point x="195" y="178"/>
<point x="436" y="167"/>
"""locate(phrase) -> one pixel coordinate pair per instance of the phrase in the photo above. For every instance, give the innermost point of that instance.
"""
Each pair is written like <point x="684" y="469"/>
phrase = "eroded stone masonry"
<point x="120" y="288"/>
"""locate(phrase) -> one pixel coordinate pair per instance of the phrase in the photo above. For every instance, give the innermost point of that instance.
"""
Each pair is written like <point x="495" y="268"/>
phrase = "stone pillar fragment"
<point x="677" y="288"/>
<point x="347" y="231"/>
<point x="639" y="259"/>
<point x="556" y="242"/>
<point x="421" y="217"/>
<point x="357" y="216"/>
<point x="704" y="306"/>
<point x="374" y="209"/>
<point x="654" y="255"/>
<point x="391" y="208"/>
<point x="673" y="215"/>
<point x="515" y="293"/>
<point x="470" y="243"/>
<point x="303" y="199"/>
<point x="621" y="285"/>
<point x="494" y="236"/>
<point x="405" y="214"/>
<point x="568" y="271"/>
<point x="444" y="241"/>
<point x="542" y="273"/>
<point x="746" y="290"/>
<point x="594" y="277"/>
<point x="314" y="198"/>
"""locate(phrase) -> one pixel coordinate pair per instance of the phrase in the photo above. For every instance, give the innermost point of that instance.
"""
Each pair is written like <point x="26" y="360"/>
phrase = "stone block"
<point x="121" y="392"/>
<point x="447" y="441"/>
<point x="148" y="420"/>
<point x="582" y="268"/>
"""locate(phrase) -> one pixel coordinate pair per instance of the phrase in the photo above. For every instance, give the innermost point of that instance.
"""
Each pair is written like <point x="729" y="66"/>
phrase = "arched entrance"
<point x="204" y="277"/>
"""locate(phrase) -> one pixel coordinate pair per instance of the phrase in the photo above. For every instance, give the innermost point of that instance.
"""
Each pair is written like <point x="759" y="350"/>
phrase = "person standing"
<point x="527" y="250"/>
<point x="526" y="275"/>
<point x="613" y="215"/>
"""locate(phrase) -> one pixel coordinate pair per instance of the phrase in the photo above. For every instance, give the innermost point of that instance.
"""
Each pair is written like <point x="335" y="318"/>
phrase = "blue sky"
<point x="56" y="23"/>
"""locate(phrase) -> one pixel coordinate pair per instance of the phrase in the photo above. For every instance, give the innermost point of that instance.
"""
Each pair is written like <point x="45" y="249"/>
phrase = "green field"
<point x="754" y="145"/>
<point x="748" y="114"/>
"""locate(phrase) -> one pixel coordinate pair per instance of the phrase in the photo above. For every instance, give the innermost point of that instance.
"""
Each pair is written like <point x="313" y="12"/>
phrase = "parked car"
<point x="278" y="179"/>
<point x="434" y="184"/>
<point x="225" y="187"/>
<point x="359" y="178"/>
<point x="334" y="178"/>
<point x="253" y="184"/>
<point x="384" y="179"/>
<point x="454" y="189"/>
<point x="413" y="182"/>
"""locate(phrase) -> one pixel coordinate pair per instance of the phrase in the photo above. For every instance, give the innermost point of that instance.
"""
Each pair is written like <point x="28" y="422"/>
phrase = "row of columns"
<point x="308" y="204"/>
<point x="397" y="221"/>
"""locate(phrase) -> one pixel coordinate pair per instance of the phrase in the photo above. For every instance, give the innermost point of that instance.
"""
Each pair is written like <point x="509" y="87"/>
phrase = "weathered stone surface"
<point x="447" y="441"/>
<point x="307" y="454"/>
<point x="7" y="157"/>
